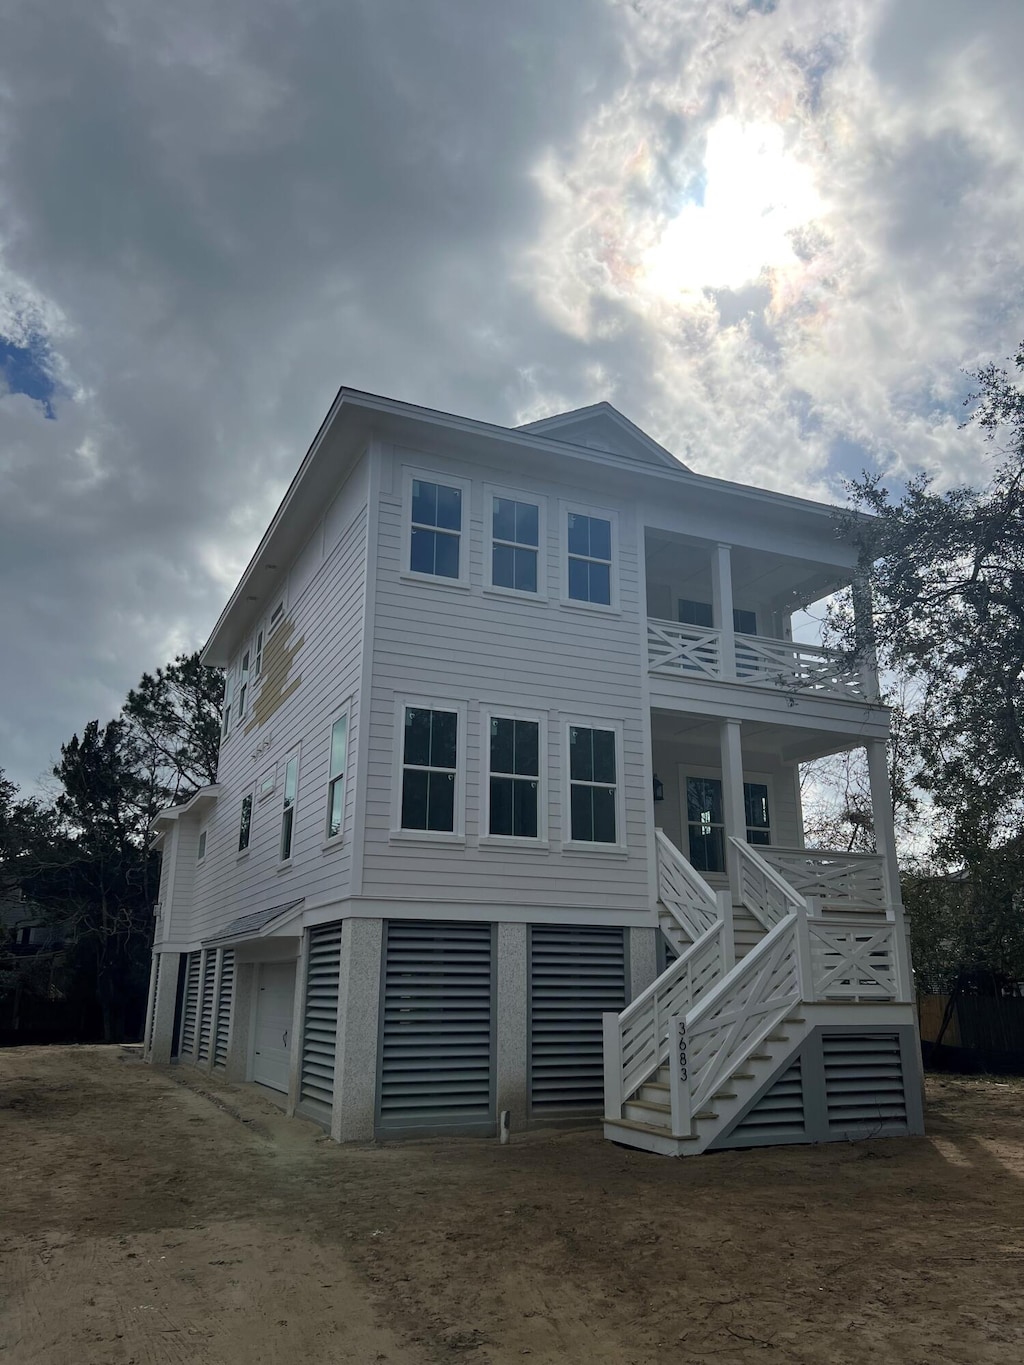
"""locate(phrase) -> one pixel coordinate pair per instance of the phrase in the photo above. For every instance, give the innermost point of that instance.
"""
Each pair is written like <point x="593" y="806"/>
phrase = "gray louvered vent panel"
<point x="191" y="1006"/>
<point x="864" y="1082"/>
<point x="779" y="1113"/>
<point x="156" y="995"/>
<point x="320" y="1020"/>
<point x="437" y="1033"/>
<point x="222" y="1034"/>
<point x="206" y="1008"/>
<point x="575" y="975"/>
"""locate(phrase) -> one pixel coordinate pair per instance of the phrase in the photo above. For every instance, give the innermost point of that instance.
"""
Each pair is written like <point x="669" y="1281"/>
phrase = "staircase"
<point x="691" y="1056"/>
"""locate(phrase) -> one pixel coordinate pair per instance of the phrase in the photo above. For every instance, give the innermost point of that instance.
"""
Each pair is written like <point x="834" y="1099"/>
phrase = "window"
<point x="201" y="851"/>
<point x="589" y="544"/>
<point x="243" y="684"/>
<point x="592" y="785"/>
<point x="514" y="777"/>
<point x="291" y="775"/>
<point x="267" y="783"/>
<point x="229" y="684"/>
<point x="706" y="820"/>
<point x="257" y="663"/>
<point x="436" y="529"/>
<point x="699" y="614"/>
<point x="276" y="617"/>
<point x="336" y="777"/>
<point x="245" y="823"/>
<point x="515" y="544"/>
<point x="429" y="768"/>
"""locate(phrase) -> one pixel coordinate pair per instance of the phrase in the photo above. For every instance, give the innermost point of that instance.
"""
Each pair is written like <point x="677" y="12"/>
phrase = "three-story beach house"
<point x="508" y="817"/>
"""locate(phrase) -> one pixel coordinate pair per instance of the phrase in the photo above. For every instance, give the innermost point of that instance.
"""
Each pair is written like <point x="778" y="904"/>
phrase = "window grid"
<point x="429" y="769"/>
<point x="435" y="540"/>
<point x="589" y="559"/>
<point x="514" y="777"/>
<point x="515" y="544"/>
<point x="593" y="785"/>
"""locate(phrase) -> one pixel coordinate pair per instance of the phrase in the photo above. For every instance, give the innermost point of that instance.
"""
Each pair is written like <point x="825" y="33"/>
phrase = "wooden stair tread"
<point x="652" y="1105"/>
<point x="654" y="1129"/>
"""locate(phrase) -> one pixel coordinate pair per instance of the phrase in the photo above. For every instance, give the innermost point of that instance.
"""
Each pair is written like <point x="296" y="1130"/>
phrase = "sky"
<point x="773" y="234"/>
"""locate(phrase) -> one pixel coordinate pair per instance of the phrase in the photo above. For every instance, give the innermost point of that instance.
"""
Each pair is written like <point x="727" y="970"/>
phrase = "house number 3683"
<point x="681" y="1050"/>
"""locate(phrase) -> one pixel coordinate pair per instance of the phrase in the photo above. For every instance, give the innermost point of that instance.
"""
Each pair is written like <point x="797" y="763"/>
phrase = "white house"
<point x="508" y="809"/>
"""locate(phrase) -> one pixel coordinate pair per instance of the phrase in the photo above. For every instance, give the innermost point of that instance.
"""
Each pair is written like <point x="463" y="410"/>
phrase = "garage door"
<point x="271" y="1061"/>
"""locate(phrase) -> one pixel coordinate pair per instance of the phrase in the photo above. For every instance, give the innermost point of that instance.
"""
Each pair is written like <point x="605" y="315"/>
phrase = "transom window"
<point x="515" y="536"/>
<point x="592" y="785"/>
<point x="430" y="743"/>
<point x="245" y="823"/>
<point x="291" y="780"/>
<point x="514" y="777"/>
<point x="336" y="777"/>
<point x="436" y="529"/>
<point x="706" y="820"/>
<point x="590" y="558"/>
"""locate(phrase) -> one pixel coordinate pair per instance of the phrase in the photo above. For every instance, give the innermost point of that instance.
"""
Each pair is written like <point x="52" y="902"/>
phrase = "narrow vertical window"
<point x="593" y="785"/>
<point x="336" y="777"/>
<point x="245" y="823"/>
<point x="229" y="684"/>
<point x="705" y="820"/>
<point x="243" y="684"/>
<point x="257" y="663"/>
<point x="436" y="529"/>
<point x="276" y="617"/>
<point x="514" y="777"/>
<point x="755" y="804"/>
<point x="429" y="767"/>
<point x="291" y="774"/>
<point x="515" y="542"/>
<point x="590" y="559"/>
<point x="201" y="850"/>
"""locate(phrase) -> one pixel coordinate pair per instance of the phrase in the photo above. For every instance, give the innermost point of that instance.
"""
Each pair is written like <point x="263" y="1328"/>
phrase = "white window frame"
<point x="449" y="481"/>
<point x="202" y="844"/>
<point x="345" y="714"/>
<point x="228" y="701"/>
<point x="283" y="862"/>
<point x="492" y="491"/>
<point x="258" y="641"/>
<point x="431" y="836"/>
<point x="569" y="844"/>
<point x="686" y="770"/>
<point x="249" y="796"/>
<point x="606" y="514"/>
<point x="275" y="617"/>
<point x="243" y="681"/>
<point x="486" y="839"/>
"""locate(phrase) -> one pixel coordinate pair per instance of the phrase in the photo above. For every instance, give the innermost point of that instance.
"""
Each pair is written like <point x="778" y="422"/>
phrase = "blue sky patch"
<point x="26" y="369"/>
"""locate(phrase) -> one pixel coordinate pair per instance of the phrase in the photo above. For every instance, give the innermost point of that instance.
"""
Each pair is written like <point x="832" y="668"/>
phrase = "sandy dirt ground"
<point x="159" y="1216"/>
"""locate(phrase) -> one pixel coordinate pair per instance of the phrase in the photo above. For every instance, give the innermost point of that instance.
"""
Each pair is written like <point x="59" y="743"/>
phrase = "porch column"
<point x="863" y="627"/>
<point x="355" y="1065"/>
<point x="733" y="811"/>
<point x="721" y="606"/>
<point x="161" y="1040"/>
<point x="881" y="815"/>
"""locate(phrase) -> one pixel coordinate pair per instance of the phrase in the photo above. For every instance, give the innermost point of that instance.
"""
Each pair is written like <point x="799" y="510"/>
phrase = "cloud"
<point x="213" y="214"/>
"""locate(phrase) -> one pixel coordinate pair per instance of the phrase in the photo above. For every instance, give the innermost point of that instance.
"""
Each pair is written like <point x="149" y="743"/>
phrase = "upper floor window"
<point x="430" y="744"/>
<point x="245" y="823"/>
<point x="201" y="850"/>
<point x="515" y="544"/>
<point x="291" y="783"/>
<point x="435" y="544"/>
<point x="243" y="684"/>
<point x="700" y="614"/>
<point x="257" y="663"/>
<point x="514" y="777"/>
<point x="276" y="617"/>
<point x="593" y="785"/>
<point x="336" y="777"/>
<point x="229" y="684"/>
<point x="589" y="552"/>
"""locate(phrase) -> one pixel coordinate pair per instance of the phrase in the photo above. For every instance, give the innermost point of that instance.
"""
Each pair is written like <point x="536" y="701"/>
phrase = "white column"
<point x="163" y="1009"/>
<point x="734" y="813"/>
<point x="881" y="814"/>
<point x="721" y="606"/>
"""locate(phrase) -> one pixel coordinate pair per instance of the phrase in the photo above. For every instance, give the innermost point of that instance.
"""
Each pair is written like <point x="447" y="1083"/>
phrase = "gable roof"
<point x="602" y="427"/>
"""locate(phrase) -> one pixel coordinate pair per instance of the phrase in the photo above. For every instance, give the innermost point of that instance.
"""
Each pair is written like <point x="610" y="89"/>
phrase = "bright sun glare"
<point x="755" y="194"/>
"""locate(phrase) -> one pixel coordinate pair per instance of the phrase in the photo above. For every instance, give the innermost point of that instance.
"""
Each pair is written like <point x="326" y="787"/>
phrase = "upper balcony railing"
<point x="695" y="652"/>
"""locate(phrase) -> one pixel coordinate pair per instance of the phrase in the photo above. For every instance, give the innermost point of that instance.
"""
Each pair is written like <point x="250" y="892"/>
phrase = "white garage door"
<point x="274" y="1005"/>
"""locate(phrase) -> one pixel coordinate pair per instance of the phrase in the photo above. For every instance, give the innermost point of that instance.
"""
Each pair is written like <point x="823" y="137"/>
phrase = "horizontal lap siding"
<point x="562" y="663"/>
<point x="328" y="617"/>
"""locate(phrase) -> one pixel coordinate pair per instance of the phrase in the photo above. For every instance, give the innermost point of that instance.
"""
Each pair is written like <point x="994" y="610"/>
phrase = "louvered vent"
<point x="156" y="996"/>
<point x="320" y="1020"/>
<point x="206" y="1007"/>
<point x="191" y="1006"/>
<point x="437" y="1036"/>
<point x="864" y="1086"/>
<point x="222" y="1034"/>
<point x="575" y="975"/>
<point x="779" y="1113"/>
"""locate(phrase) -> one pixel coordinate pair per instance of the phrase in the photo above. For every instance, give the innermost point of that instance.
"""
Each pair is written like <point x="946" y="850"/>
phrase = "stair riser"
<point x="642" y="1114"/>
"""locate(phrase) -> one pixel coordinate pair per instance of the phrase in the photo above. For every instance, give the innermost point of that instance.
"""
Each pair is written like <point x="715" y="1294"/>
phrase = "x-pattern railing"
<point x="834" y="878"/>
<point x="683" y="649"/>
<point x="683" y="891"/>
<point x="853" y="962"/>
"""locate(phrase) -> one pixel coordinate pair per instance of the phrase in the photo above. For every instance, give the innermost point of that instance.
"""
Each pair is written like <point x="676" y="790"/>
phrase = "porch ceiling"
<point x="785" y="743"/>
<point x="756" y="574"/>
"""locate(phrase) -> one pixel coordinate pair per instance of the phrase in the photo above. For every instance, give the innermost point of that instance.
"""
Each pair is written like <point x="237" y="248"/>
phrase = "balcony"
<point x="695" y="653"/>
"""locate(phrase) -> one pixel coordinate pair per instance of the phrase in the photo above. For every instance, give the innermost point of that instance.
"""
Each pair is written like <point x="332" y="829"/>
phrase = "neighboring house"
<point x="508" y="814"/>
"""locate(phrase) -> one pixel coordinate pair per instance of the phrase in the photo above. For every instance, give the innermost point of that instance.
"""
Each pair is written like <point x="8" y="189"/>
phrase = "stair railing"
<point x="683" y="891"/>
<point x="764" y="892"/>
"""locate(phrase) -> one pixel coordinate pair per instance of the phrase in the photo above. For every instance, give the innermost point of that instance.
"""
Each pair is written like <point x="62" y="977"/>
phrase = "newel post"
<point x="804" y="956"/>
<point x="613" y="1096"/>
<point x="680" y="1088"/>
<point x="724" y="899"/>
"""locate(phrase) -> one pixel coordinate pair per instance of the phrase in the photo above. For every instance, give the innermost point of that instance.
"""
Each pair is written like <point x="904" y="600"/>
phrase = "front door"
<point x="271" y="1062"/>
<point x="703" y="818"/>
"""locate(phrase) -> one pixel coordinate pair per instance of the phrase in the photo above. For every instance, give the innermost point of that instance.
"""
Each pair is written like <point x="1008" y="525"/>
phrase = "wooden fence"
<point x="984" y="1033"/>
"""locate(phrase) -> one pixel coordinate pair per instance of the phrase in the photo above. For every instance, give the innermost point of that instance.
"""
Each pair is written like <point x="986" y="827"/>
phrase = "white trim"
<point x="465" y="487"/>
<point x="538" y="500"/>
<point x="565" y="509"/>
<point x="569" y="844"/>
<point x="491" y="711"/>
<point x="344" y="712"/>
<point x="248" y="794"/>
<point x="397" y="831"/>
<point x="203" y="843"/>
<point x="283" y="863"/>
